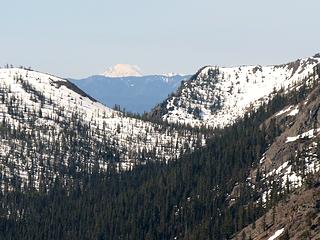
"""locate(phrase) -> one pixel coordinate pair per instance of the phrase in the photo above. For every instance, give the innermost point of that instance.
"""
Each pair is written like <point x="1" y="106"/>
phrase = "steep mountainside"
<point x="134" y="94"/>
<point x="294" y="154"/>
<point x="296" y="217"/>
<point x="291" y="164"/>
<point x="49" y="127"/>
<point x="217" y="96"/>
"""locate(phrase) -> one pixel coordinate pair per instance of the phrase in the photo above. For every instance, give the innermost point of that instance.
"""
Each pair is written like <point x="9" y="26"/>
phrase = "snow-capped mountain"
<point x="123" y="70"/>
<point x="49" y="126"/>
<point x="135" y="94"/>
<point x="217" y="96"/>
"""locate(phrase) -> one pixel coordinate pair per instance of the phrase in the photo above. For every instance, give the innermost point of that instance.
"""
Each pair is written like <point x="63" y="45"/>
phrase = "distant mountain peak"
<point x="123" y="70"/>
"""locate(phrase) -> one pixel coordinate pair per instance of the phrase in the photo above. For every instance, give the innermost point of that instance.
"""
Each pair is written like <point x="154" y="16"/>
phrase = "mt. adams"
<point x="123" y="70"/>
<point x="217" y="96"/>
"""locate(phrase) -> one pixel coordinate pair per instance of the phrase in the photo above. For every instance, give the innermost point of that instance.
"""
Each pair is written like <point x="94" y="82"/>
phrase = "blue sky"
<point x="77" y="38"/>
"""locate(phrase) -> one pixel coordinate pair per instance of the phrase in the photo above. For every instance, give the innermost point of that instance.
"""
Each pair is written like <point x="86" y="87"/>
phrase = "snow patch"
<point x="309" y="134"/>
<point x="294" y="111"/>
<point x="291" y="111"/>
<point x="276" y="234"/>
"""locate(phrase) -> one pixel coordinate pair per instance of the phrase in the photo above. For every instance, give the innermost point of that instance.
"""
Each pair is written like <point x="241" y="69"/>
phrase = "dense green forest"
<point x="185" y="199"/>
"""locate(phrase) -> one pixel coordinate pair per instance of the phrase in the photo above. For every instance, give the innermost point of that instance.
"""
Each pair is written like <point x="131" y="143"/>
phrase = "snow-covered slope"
<point x="123" y="70"/>
<point x="47" y="121"/>
<point x="135" y="94"/>
<point x="217" y="96"/>
<point x="291" y="158"/>
<point x="294" y="155"/>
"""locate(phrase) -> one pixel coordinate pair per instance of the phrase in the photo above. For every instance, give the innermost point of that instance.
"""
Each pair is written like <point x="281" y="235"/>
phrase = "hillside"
<point x="290" y="165"/>
<point x="51" y="127"/>
<point x="217" y="96"/>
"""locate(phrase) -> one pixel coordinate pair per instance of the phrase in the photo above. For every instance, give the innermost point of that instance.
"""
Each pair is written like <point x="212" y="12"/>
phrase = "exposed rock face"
<point x="293" y="155"/>
<point x="298" y="217"/>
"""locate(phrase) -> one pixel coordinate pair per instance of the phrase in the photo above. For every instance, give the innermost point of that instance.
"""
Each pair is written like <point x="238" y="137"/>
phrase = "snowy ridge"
<point x="276" y="234"/>
<point x="37" y="104"/>
<point x="217" y="96"/>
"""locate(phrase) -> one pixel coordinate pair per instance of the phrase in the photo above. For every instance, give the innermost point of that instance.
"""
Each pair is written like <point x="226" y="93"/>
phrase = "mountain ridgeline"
<point x="231" y="155"/>
<point x="136" y="94"/>
<point x="217" y="96"/>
